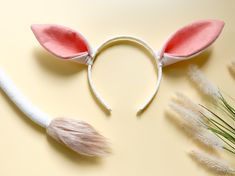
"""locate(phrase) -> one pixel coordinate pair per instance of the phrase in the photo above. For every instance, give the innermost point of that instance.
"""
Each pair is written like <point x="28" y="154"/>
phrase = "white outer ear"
<point x="139" y="42"/>
<point x="168" y="60"/>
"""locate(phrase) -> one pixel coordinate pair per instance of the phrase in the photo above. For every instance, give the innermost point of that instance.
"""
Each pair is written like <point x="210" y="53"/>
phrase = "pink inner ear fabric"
<point x="60" y="41"/>
<point x="193" y="38"/>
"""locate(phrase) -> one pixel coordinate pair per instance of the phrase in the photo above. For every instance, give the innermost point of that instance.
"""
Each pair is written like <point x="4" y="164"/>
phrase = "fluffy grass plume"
<point x="213" y="163"/>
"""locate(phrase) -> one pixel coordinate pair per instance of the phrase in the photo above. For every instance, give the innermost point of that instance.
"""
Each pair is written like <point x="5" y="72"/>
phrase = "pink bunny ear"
<point x="61" y="41"/>
<point x="192" y="39"/>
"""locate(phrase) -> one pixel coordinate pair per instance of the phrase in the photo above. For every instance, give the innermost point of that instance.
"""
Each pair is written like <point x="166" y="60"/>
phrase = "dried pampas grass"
<point x="213" y="163"/>
<point x="189" y="117"/>
<point x="194" y="127"/>
<point x="208" y="138"/>
<point x="188" y="103"/>
<point x="203" y="83"/>
<point x="205" y="137"/>
<point x="78" y="136"/>
<point x="204" y="125"/>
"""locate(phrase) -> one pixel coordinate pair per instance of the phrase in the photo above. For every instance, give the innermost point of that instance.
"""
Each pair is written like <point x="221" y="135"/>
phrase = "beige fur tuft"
<point x="78" y="136"/>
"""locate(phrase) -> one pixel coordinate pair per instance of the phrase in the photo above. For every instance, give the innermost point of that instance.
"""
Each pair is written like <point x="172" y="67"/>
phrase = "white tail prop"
<point x="76" y="135"/>
<point x="22" y="103"/>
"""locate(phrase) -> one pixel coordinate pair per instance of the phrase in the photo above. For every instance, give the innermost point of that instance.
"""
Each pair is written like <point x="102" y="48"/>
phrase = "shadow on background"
<point x="57" y="66"/>
<point x="179" y="69"/>
<point x="73" y="156"/>
<point x="231" y="71"/>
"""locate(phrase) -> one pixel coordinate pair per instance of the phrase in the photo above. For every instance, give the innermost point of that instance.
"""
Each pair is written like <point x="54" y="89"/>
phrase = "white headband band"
<point x="136" y="41"/>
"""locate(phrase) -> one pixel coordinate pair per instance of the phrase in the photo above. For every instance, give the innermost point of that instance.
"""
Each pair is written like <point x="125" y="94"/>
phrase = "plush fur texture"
<point x="78" y="136"/>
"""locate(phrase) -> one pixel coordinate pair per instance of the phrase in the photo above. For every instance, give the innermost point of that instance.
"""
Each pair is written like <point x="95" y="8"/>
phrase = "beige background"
<point x="147" y="145"/>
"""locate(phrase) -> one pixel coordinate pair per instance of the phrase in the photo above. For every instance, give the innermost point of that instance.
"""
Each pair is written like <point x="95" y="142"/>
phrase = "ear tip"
<point x="36" y="27"/>
<point x="33" y="26"/>
<point x="216" y="22"/>
<point x="220" y="23"/>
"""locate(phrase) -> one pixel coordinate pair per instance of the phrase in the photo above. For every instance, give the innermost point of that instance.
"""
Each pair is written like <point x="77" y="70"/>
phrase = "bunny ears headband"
<point x="185" y="43"/>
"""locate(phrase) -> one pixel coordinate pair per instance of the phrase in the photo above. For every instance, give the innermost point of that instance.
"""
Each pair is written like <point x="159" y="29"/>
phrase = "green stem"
<point x="225" y="148"/>
<point x="214" y="121"/>
<point x="224" y="141"/>
<point x="218" y="117"/>
<point x="230" y="108"/>
<point x="224" y="109"/>
<point x="223" y="133"/>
